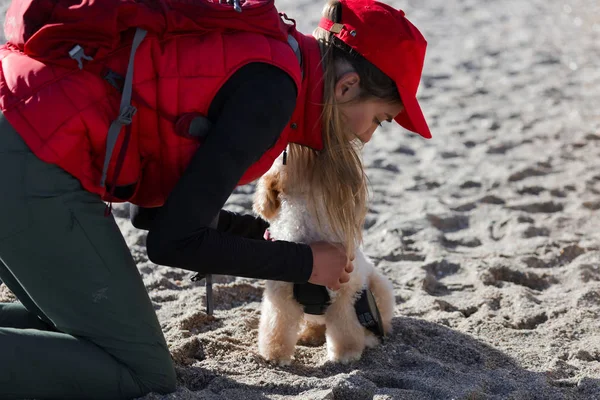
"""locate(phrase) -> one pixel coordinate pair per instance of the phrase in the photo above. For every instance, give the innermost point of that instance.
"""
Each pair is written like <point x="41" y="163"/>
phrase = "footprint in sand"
<point x="591" y="205"/>
<point x="496" y="276"/>
<point x="465" y="207"/>
<point x="565" y="256"/>
<point x="449" y="154"/>
<point x="532" y="190"/>
<point x="436" y="271"/>
<point x="445" y="306"/>
<point x="591" y="298"/>
<point x="593" y="185"/>
<point x="383" y="164"/>
<point x="187" y="351"/>
<point x="538" y="207"/>
<point x="491" y="199"/>
<point x="534" y="231"/>
<point x="501" y="148"/>
<point x="449" y="223"/>
<point x="402" y="149"/>
<point x="592" y="137"/>
<point x="528" y="172"/>
<point x="461" y="242"/>
<point x="402" y="256"/>
<point x="588" y="355"/>
<point x="430" y="80"/>
<point x="558" y="193"/>
<point x="470" y="185"/>
<point x="569" y="253"/>
<point x="535" y="262"/>
<point x="441" y="269"/>
<point x="530" y="322"/>
<point x="497" y="229"/>
<point x="589" y="272"/>
<point x="423" y="184"/>
<point x="525" y="219"/>
<point x="198" y="322"/>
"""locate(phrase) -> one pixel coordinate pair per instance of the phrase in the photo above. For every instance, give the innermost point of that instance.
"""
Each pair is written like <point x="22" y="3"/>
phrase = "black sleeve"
<point x="244" y="225"/>
<point x="251" y="118"/>
<point x="141" y="217"/>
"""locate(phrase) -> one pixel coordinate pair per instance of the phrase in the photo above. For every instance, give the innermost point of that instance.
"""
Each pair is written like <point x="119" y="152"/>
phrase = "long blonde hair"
<point x="335" y="177"/>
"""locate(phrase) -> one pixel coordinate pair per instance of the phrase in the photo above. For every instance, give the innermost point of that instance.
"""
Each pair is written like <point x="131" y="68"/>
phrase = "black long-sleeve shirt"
<point x="248" y="114"/>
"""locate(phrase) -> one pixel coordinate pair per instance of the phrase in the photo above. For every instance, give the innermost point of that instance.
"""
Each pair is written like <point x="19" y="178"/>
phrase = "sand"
<point x="489" y="231"/>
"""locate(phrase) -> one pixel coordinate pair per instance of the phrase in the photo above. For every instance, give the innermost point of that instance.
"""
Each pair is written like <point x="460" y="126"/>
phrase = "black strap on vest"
<point x="368" y="313"/>
<point x="316" y="300"/>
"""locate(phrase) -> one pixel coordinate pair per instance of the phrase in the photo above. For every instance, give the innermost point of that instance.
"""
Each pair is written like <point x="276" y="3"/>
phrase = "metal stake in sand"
<point x="209" y="298"/>
<point x="208" y="277"/>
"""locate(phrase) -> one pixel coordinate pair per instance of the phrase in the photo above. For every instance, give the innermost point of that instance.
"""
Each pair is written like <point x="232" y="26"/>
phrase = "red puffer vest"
<point x="63" y="114"/>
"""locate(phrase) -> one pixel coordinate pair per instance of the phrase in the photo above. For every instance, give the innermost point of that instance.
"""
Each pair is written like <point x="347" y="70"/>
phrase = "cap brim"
<point x="412" y="117"/>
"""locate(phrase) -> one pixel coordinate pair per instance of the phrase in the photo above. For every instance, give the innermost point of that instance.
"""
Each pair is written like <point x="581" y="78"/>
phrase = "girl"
<point x="84" y="326"/>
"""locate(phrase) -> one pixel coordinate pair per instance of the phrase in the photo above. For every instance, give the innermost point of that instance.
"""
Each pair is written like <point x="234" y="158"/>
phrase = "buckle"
<point x="126" y="115"/>
<point x="78" y="54"/>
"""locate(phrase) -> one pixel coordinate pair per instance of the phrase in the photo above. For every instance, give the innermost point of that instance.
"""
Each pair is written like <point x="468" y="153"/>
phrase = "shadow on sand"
<point x="420" y="360"/>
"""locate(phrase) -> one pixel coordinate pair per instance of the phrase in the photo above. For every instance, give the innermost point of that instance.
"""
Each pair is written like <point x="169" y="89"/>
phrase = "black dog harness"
<point x="316" y="300"/>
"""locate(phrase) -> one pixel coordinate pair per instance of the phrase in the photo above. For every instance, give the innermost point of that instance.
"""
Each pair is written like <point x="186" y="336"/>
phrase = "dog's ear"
<point x="266" y="199"/>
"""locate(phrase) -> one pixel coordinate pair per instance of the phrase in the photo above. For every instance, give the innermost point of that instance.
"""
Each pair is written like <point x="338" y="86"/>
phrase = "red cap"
<point x="383" y="36"/>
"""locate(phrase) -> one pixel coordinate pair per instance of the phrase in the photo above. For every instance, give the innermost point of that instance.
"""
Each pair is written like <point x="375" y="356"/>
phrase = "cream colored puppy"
<point x="283" y="321"/>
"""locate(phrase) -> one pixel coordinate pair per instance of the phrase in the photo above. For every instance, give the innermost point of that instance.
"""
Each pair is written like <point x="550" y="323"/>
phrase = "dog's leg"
<point x="279" y="323"/>
<point x="383" y="291"/>
<point x="345" y="335"/>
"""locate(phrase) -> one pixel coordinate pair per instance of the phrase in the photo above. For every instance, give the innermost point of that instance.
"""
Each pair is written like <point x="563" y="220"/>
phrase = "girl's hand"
<point x="331" y="267"/>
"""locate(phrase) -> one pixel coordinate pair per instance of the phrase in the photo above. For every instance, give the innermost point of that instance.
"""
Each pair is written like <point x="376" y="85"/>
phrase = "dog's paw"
<point x="284" y="362"/>
<point x="371" y="340"/>
<point x="276" y="356"/>
<point x="278" y="360"/>
<point x="344" y="357"/>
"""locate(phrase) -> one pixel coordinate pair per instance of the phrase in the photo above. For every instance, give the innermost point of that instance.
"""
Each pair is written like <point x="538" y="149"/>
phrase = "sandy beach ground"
<point x="489" y="231"/>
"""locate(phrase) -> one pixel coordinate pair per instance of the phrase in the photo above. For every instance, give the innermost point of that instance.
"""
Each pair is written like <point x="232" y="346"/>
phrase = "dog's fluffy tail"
<point x="383" y="291"/>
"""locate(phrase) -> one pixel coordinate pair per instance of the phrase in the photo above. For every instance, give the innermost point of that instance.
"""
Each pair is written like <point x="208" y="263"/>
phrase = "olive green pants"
<point x="84" y="327"/>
